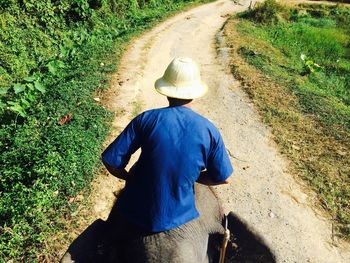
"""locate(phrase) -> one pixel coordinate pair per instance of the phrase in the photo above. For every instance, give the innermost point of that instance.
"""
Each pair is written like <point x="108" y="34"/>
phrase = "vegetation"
<point x="55" y="57"/>
<point x="300" y="81"/>
<point x="265" y="13"/>
<point x="337" y="1"/>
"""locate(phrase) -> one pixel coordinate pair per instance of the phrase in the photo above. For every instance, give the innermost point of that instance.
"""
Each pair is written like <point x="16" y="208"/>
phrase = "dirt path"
<point x="262" y="192"/>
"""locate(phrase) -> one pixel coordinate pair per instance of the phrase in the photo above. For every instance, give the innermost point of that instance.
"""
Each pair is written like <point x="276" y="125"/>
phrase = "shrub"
<point x="266" y="12"/>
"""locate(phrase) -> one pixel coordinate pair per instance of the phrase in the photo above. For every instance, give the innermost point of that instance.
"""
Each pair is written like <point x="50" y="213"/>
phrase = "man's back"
<point x="177" y="144"/>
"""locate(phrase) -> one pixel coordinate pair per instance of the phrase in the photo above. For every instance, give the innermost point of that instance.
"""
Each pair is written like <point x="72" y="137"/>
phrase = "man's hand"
<point x="205" y="179"/>
<point x="119" y="173"/>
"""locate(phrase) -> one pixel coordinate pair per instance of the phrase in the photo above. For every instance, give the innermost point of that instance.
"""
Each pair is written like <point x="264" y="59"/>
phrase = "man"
<point x="178" y="148"/>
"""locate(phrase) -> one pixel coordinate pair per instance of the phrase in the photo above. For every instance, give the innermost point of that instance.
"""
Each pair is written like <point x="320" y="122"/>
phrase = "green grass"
<point x="324" y="94"/>
<point x="54" y="56"/>
<point x="320" y="82"/>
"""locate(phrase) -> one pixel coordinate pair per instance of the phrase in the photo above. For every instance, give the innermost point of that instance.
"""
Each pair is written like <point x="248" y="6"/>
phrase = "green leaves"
<point x="18" y="88"/>
<point x="3" y="90"/>
<point x="309" y="65"/>
<point x="54" y="66"/>
<point x="17" y="108"/>
<point x="38" y="86"/>
<point x="22" y="96"/>
<point x="30" y="79"/>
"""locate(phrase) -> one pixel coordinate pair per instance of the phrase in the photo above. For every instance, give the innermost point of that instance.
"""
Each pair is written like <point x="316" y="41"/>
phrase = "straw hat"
<point x="181" y="80"/>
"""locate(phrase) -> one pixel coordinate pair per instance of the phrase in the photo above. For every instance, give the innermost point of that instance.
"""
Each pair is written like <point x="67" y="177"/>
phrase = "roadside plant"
<point x="309" y="65"/>
<point x="265" y="13"/>
<point x="22" y="96"/>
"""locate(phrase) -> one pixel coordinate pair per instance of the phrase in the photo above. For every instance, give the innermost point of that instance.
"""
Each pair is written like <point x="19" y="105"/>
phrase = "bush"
<point x="266" y="12"/>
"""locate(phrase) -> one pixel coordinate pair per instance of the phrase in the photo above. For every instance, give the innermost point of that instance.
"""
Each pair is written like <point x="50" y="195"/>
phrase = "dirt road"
<point x="262" y="192"/>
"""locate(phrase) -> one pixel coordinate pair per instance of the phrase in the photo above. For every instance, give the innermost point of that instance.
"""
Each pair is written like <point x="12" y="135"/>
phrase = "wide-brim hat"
<point x="181" y="80"/>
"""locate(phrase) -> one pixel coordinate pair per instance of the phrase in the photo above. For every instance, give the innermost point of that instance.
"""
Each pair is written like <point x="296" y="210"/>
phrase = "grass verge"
<point x="294" y="64"/>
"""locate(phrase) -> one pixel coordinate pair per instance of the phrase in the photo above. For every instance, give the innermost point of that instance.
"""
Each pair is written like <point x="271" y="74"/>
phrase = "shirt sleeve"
<point x="219" y="166"/>
<point x="118" y="153"/>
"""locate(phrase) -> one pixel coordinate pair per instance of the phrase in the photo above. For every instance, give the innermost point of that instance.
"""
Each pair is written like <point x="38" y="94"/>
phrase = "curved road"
<point x="262" y="192"/>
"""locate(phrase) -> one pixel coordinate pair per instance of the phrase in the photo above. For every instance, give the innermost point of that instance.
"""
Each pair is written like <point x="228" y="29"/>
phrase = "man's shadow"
<point x="244" y="245"/>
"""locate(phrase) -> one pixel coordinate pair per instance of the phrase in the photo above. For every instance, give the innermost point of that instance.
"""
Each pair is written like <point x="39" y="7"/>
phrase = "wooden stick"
<point x="224" y="246"/>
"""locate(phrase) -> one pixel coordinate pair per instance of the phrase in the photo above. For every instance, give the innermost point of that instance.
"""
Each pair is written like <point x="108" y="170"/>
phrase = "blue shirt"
<point x="176" y="145"/>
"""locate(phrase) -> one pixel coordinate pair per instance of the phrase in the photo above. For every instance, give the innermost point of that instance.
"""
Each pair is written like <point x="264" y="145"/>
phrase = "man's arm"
<point x="204" y="178"/>
<point x="119" y="173"/>
<point x="218" y="165"/>
<point x="118" y="153"/>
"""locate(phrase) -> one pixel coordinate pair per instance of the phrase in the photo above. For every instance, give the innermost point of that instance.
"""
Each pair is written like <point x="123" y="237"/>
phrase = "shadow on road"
<point x="244" y="246"/>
